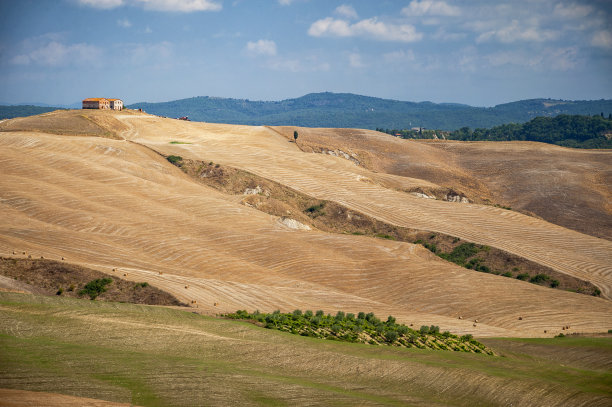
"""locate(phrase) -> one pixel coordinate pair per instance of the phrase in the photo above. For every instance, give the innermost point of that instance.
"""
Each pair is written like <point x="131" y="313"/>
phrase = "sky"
<point x="477" y="52"/>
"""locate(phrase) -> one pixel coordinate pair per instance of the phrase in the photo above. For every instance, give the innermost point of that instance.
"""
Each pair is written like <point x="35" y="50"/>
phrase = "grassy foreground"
<point x="156" y="356"/>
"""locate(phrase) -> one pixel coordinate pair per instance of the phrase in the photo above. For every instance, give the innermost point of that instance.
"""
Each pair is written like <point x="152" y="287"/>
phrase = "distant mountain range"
<point x="349" y="110"/>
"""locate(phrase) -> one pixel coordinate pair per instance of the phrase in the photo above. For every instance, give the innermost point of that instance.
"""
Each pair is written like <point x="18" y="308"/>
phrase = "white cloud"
<point x="355" y="60"/>
<point x="55" y="53"/>
<point x="148" y="30"/>
<point x="430" y="7"/>
<point x="182" y="6"/>
<point x="517" y="32"/>
<point x="346" y="11"/>
<point x="285" y="2"/>
<point x="369" y="28"/>
<point x="261" y="47"/>
<point x="102" y="4"/>
<point x="572" y="10"/>
<point x="124" y="22"/>
<point x="602" y="39"/>
<point x="442" y="35"/>
<point x="399" y="57"/>
<point x="156" y="55"/>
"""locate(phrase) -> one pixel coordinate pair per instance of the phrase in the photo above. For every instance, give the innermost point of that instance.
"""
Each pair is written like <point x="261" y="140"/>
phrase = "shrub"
<point x="507" y="274"/>
<point x="522" y="276"/>
<point x="554" y="283"/>
<point x="335" y="328"/>
<point x="596" y="292"/>
<point x="539" y="278"/>
<point x="95" y="287"/>
<point x="424" y="329"/>
<point x="434" y="329"/>
<point x="320" y="313"/>
<point x="402" y="329"/>
<point x="361" y="315"/>
<point x="143" y="285"/>
<point x="390" y="320"/>
<point x="391" y="336"/>
<point x="174" y="159"/>
<point x="466" y="338"/>
<point x="297" y="313"/>
<point x="308" y="314"/>
<point x="340" y="316"/>
<point x="60" y="291"/>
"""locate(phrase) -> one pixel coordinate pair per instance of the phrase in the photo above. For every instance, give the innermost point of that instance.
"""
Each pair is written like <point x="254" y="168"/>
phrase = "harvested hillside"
<point x="122" y="353"/>
<point x="568" y="187"/>
<point x="278" y="200"/>
<point x="51" y="277"/>
<point x="67" y="122"/>
<point x="106" y="203"/>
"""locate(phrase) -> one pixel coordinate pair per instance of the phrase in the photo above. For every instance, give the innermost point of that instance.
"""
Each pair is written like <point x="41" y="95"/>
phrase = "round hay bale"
<point x="520" y="318"/>
<point x="476" y="321"/>
<point x="460" y="317"/>
<point x="186" y="286"/>
<point x="124" y="274"/>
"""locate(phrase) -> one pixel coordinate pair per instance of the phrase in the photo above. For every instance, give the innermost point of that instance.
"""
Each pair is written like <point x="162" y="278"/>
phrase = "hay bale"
<point x="460" y="317"/>
<point x="520" y="318"/>
<point x="476" y="321"/>
<point x="186" y="286"/>
<point x="124" y="274"/>
<point x="63" y="258"/>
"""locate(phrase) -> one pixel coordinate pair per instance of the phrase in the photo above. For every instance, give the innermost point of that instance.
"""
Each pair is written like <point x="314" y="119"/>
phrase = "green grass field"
<point x="154" y="356"/>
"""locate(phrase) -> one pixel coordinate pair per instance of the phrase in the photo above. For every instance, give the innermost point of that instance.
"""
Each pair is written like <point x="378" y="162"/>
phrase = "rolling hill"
<point x="98" y="190"/>
<point x="226" y="217"/>
<point x="348" y="110"/>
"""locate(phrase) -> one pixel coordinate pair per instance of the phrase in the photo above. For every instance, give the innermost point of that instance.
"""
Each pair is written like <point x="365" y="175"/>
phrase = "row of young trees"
<point x="363" y="328"/>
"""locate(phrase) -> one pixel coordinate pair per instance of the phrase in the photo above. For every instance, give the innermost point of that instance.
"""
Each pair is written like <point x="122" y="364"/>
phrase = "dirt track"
<point x="109" y="203"/>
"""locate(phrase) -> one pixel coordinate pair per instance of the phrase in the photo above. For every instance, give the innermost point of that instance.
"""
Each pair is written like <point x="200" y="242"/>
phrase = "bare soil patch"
<point x="49" y="277"/>
<point x="24" y="398"/>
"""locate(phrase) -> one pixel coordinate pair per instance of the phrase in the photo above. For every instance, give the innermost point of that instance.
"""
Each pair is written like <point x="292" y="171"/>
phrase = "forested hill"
<point x="349" y="110"/>
<point x="9" y="112"/>
<point x="564" y="130"/>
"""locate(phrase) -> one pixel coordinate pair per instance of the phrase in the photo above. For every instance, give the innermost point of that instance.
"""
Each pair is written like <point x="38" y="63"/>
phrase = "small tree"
<point x="295" y="135"/>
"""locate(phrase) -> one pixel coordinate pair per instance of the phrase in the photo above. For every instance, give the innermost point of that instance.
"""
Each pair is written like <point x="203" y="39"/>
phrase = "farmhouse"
<point x="116" y="104"/>
<point x="102" y="103"/>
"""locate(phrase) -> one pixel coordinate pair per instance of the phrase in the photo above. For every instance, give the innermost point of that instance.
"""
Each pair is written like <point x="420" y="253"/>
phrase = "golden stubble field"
<point x="117" y="203"/>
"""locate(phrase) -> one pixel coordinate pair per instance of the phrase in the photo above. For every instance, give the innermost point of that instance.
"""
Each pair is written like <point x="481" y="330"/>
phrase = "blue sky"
<point x="476" y="52"/>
